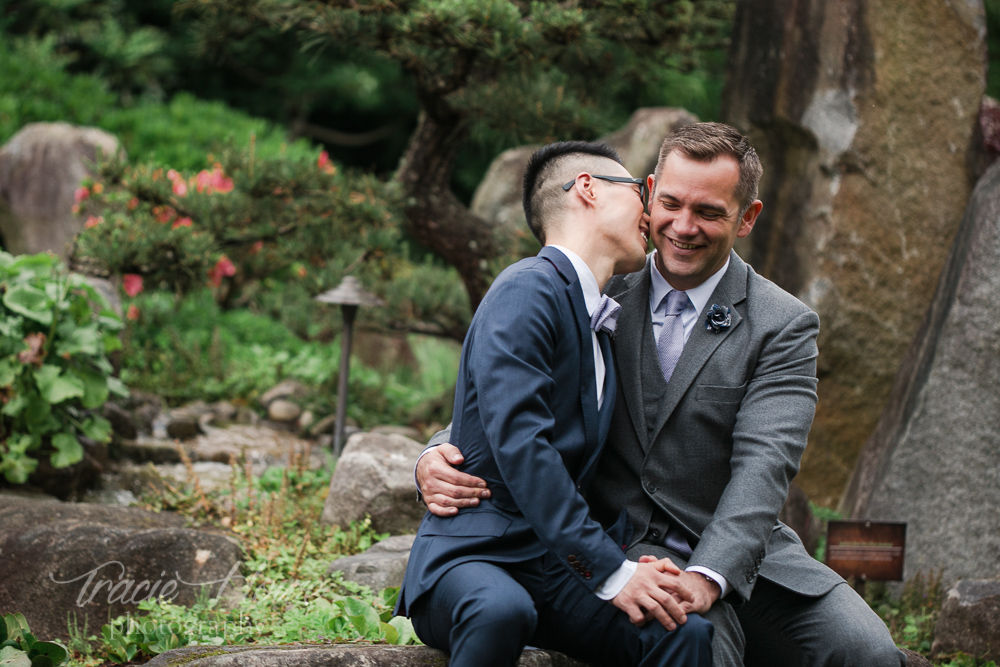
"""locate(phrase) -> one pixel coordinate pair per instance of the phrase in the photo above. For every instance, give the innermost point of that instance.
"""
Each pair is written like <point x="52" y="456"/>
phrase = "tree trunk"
<point x="437" y="219"/>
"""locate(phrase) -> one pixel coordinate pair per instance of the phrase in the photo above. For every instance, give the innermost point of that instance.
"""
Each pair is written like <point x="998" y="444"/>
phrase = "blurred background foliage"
<point x="187" y="85"/>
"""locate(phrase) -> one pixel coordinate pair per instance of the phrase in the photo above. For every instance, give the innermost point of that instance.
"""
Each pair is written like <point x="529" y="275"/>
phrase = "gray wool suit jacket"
<point x="716" y="447"/>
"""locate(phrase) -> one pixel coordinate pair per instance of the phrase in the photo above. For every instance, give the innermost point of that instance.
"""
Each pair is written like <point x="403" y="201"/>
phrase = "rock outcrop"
<point x="933" y="459"/>
<point x="863" y="113"/>
<point x="970" y="620"/>
<point x="97" y="562"/>
<point x="374" y="476"/>
<point x="41" y="168"/>
<point x="384" y="564"/>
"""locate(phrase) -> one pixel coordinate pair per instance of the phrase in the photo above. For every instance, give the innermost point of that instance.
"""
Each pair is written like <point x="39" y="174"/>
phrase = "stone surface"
<point x="797" y="515"/>
<point x="355" y="655"/>
<point x="405" y="431"/>
<point x="498" y="197"/>
<point x="72" y="482"/>
<point x="382" y="565"/>
<point x="933" y="460"/>
<point x="281" y="410"/>
<point x="374" y="475"/>
<point x="285" y="389"/>
<point x="863" y="112"/>
<point x="915" y="659"/>
<point x="970" y="620"/>
<point x="40" y="169"/>
<point x="122" y="422"/>
<point x="95" y="560"/>
<point x="183" y="422"/>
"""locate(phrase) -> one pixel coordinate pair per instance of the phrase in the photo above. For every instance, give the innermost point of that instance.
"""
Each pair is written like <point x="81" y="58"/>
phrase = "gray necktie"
<point x="671" y="340"/>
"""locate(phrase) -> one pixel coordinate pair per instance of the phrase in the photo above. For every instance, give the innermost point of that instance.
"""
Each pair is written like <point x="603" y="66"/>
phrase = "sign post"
<point x="866" y="550"/>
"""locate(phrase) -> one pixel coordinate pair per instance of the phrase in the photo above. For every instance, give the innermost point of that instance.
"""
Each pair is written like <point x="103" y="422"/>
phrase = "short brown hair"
<point x="705" y="142"/>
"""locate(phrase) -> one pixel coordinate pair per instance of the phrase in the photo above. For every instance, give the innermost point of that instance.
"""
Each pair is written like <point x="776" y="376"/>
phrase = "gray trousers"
<point x="780" y="628"/>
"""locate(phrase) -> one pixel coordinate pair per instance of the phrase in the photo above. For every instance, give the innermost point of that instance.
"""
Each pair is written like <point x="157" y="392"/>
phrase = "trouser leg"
<point x="728" y="639"/>
<point x="839" y="629"/>
<point x="574" y="621"/>
<point x="478" y="613"/>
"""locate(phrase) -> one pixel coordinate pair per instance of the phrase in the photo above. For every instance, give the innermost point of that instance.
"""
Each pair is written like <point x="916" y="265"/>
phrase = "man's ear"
<point x="749" y="218"/>
<point x="583" y="187"/>
<point x="650" y="187"/>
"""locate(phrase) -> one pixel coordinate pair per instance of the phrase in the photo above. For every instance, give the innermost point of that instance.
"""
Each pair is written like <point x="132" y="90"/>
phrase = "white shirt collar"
<point x="699" y="296"/>
<point x="591" y="295"/>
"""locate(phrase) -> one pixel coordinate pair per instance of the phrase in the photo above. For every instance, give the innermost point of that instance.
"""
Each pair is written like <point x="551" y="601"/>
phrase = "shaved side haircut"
<point x="549" y="168"/>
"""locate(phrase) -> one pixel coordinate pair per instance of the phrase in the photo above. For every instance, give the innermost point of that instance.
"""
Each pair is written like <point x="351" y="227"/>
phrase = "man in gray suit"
<point x="717" y="390"/>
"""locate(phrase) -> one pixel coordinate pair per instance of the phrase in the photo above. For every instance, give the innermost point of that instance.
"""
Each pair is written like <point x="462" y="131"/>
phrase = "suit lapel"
<point x="588" y="390"/>
<point x="627" y="345"/>
<point x="730" y="291"/>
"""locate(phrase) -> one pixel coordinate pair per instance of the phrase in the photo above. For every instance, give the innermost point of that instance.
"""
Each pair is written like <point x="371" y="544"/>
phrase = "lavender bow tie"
<point x="605" y="317"/>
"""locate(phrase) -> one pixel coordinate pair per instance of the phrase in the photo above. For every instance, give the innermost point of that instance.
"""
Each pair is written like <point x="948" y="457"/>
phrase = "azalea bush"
<point x="56" y="332"/>
<point x="267" y="233"/>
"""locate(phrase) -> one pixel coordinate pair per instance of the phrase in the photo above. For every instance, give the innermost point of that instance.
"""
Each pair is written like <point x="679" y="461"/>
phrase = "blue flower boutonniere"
<point x="718" y="319"/>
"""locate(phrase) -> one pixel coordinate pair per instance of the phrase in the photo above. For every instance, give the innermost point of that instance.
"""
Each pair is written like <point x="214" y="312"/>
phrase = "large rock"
<point x="40" y="169"/>
<point x="970" y="620"/>
<point x="863" y="112"/>
<point x="384" y="564"/>
<point x="374" y="475"/>
<point x="934" y="460"/>
<point x="303" y="655"/>
<point x="97" y="562"/>
<point x="498" y="197"/>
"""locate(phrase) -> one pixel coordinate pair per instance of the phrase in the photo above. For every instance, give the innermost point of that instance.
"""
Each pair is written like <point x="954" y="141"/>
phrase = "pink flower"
<point x="256" y="247"/>
<point x="173" y="176"/>
<point x="180" y="188"/>
<point x="132" y="313"/>
<point x="324" y="163"/>
<point x="164" y="213"/>
<point x="224" y="267"/>
<point x="132" y="283"/>
<point x="80" y="194"/>
<point x="213" y="181"/>
<point x="133" y="203"/>
<point x="93" y="222"/>
<point x="181" y="222"/>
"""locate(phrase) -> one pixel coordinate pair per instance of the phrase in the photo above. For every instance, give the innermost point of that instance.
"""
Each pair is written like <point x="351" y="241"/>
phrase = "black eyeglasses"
<point x="618" y="179"/>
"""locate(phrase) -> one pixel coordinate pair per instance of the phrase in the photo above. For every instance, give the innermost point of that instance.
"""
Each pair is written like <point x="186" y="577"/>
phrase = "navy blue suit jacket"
<point x="526" y="421"/>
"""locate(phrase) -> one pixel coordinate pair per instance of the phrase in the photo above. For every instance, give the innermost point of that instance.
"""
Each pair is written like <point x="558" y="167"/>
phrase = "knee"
<point x="516" y="620"/>
<point x="697" y="630"/>
<point x="875" y="648"/>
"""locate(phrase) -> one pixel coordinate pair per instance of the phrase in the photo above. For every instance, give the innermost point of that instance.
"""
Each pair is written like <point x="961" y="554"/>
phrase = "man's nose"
<point x="684" y="223"/>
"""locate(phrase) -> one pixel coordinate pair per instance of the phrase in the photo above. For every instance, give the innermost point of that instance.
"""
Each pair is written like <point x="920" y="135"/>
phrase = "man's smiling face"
<point x="695" y="218"/>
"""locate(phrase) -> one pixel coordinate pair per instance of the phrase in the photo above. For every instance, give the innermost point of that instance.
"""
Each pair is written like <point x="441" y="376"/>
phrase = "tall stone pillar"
<point x="863" y="113"/>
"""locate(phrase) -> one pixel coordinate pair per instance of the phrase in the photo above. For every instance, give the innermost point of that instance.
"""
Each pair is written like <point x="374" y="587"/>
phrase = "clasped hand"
<point x="658" y="589"/>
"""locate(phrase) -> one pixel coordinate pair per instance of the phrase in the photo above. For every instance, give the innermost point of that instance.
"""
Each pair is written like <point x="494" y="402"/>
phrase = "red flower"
<point x="256" y="247"/>
<point x="132" y="283"/>
<point x="93" y="222"/>
<point x="324" y="163"/>
<point x="80" y="194"/>
<point x="132" y="313"/>
<point x="164" y="213"/>
<point x="213" y="181"/>
<point x="222" y="268"/>
<point x="181" y="222"/>
<point x="133" y="203"/>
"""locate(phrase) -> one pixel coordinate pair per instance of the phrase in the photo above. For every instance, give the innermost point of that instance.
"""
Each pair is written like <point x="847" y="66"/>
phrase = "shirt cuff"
<point x="714" y="576"/>
<point x="420" y="496"/>
<point x="614" y="584"/>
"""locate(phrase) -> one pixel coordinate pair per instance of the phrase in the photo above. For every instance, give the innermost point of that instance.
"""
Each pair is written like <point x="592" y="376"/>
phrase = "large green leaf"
<point x="95" y="389"/>
<point x="13" y="657"/>
<point x="15" y="406"/>
<point x="54" y="651"/>
<point x="68" y="450"/>
<point x="30" y="302"/>
<point x="76" y="340"/>
<point x="404" y="630"/>
<point x="7" y="373"/>
<point x="362" y="616"/>
<point x="55" y="387"/>
<point x="117" y="387"/>
<point x="97" y="428"/>
<point x="16" y="466"/>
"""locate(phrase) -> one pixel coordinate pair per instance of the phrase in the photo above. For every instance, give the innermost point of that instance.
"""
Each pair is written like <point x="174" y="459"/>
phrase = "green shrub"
<point x="19" y="648"/>
<point x="55" y="334"/>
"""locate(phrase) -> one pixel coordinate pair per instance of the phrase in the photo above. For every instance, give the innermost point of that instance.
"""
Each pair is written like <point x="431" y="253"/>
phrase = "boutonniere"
<point x="718" y="319"/>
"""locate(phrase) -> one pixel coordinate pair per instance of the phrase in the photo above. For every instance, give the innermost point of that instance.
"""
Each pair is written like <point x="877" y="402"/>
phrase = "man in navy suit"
<point x="533" y="406"/>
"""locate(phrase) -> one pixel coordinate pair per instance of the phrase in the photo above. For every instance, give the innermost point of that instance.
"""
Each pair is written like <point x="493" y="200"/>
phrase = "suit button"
<point x="651" y="487"/>
<point x="572" y="559"/>
<point x="586" y="575"/>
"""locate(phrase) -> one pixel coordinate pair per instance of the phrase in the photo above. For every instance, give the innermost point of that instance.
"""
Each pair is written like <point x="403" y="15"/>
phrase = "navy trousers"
<point x="484" y="614"/>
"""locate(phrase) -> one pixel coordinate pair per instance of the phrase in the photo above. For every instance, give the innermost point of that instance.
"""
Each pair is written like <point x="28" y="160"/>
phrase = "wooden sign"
<point x="866" y="550"/>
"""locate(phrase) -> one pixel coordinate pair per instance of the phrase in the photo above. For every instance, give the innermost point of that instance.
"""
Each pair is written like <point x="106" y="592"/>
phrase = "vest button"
<point x="655" y="533"/>
<point x="651" y="487"/>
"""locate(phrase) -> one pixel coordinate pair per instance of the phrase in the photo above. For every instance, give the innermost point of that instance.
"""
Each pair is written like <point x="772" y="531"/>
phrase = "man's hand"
<point x="655" y="591"/>
<point x="704" y="591"/>
<point x="444" y="488"/>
